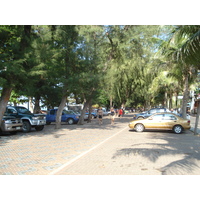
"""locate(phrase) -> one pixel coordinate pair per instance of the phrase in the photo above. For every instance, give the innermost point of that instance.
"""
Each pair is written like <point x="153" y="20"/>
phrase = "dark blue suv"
<point x="150" y="112"/>
<point x="67" y="117"/>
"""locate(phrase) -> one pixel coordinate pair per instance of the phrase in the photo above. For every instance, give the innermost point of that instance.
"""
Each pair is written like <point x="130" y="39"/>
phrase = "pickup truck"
<point x="67" y="116"/>
<point x="29" y="119"/>
<point x="9" y="125"/>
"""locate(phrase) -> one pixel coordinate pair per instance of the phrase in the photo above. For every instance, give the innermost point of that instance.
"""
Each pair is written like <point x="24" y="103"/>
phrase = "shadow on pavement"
<point x="185" y="146"/>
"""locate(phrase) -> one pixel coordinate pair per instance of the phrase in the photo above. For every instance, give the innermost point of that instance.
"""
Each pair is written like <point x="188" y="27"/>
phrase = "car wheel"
<point x="39" y="128"/>
<point x="178" y="129"/>
<point x="70" y="121"/>
<point x="48" y="123"/>
<point x="139" y="127"/>
<point x="26" y="127"/>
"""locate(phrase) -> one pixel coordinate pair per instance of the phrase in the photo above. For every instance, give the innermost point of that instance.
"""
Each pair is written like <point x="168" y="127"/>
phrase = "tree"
<point x="14" y="48"/>
<point x="174" y="51"/>
<point x="65" y="43"/>
<point x="91" y="64"/>
<point x="129" y="51"/>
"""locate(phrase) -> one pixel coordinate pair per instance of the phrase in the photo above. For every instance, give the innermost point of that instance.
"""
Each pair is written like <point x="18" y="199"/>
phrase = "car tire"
<point x="178" y="129"/>
<point x="48" y="123"/>
<point x="70" y="121"/>
<point x="39" y="128"/>
<point x="139" y="127"/>
<point x="26" y="127"/>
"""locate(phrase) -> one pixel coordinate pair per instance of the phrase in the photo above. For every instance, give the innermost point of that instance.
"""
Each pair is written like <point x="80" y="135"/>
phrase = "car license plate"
<point x="18" y="128"/>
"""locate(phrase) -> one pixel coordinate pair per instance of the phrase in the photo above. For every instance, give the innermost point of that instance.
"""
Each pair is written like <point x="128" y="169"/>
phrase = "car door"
<point x="51" y="117"/>
<point x="169" y="121"/>
<point x="155" y="122"/>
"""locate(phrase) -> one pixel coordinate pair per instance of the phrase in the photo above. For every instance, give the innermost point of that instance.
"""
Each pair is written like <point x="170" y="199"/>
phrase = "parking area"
<point x="99" y="149"/>
<point x="41" y="152"/>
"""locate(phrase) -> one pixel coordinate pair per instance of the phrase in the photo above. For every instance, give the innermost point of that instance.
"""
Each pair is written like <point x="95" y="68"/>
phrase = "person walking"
<point x="112" y="114"/>
<point x="100" y="116"/>
<point x="120" y="113"/>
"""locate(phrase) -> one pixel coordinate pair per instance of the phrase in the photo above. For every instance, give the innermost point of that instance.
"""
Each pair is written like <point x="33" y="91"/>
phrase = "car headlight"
<point x="35" y="118"/>
<point x="8" y="121"/>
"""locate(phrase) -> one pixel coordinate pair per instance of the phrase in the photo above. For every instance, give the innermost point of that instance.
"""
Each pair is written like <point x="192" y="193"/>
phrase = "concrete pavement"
<point x="92" y="149"/>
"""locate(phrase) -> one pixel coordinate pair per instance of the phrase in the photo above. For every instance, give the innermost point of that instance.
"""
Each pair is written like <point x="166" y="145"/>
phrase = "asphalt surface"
<point x="93" y="149"/>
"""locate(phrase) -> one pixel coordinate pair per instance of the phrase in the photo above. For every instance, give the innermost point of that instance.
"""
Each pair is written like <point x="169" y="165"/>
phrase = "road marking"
<point x="84" y="153"/>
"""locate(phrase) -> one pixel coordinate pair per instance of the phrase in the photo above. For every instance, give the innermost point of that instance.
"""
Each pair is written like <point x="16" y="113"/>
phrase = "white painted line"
<point x="84" y="153"/>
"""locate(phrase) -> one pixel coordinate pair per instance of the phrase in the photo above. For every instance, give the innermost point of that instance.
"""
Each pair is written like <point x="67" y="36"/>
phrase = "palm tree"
<point x="182" y="51"/>
<point x="188" y="37"/>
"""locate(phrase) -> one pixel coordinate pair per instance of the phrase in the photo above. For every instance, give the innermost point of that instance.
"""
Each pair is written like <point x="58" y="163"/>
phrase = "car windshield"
<point x="23" y="110"/>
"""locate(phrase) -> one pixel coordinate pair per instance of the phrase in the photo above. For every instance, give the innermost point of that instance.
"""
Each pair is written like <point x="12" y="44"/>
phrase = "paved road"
<point x="93" y="149"/>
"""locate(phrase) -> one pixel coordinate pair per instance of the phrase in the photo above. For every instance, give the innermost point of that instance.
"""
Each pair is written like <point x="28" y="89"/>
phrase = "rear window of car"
<point x="52" y="112"/>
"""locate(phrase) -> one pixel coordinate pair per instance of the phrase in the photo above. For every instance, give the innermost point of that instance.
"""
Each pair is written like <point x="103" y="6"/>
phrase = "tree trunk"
<point x="197" y="119"/>
<point x="111" y="102"/>
<point x="170" y="102"/>
<point x="86" y="105"/>
<point x="37" y="105"/>
<point x="165" y="100"/>
<point x="30" y="103"/>
<point x="90" y="111"/>
<point x="5" y="96"/>
<point x="185" y="97"/>
<point x="59" y="111"/>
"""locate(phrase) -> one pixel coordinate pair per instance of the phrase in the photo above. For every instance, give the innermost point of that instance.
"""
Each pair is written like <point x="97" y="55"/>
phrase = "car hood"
<point x="37" y="115"/>
<point x="8" y="117"/>
<point x="143" y="113"/>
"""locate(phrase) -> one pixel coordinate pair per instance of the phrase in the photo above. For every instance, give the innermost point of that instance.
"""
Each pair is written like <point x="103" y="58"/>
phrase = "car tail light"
<point x="188" y="121"/>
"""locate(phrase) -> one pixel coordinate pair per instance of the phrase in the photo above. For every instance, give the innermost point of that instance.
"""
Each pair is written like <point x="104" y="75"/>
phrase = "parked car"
<point x="29" y="119"/>
<point x="94" y="114"/>
<point x="67" y="116"/>
<point x="150" y="112"/>
<point x="161" y="121"/>
<point x="78" y="113"/>
<point x="10" y="124"/>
